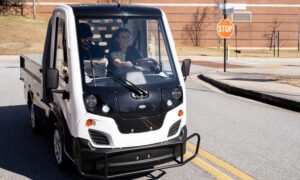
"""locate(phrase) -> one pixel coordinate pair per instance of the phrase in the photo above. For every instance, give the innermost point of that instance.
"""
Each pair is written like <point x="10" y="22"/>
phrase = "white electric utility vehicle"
<point x="109" y="90"/>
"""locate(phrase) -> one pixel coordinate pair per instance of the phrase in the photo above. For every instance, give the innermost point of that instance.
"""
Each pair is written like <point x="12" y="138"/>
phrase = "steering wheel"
<point x="147" y="65"/>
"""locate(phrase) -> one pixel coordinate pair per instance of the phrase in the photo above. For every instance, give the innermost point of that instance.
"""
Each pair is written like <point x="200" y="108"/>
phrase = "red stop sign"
<point x="225" y="28"/>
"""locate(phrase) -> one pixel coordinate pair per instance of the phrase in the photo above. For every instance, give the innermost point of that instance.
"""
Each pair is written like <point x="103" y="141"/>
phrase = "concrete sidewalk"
<point x="256" y="86"/>
<point x="246" y="61"/>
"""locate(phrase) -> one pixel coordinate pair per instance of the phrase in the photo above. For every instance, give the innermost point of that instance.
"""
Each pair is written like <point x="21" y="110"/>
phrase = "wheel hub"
<point x="57" y="146"/>
<point x="32" y="116"/>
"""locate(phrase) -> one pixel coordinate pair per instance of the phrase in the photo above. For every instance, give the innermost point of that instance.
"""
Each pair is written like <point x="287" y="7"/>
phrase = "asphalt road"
<point x="258" y="139"/>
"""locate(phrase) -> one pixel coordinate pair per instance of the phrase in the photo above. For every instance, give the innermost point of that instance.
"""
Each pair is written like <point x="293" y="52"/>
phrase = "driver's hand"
<point x="128" y="64"/>
<point x="65" y="70"/>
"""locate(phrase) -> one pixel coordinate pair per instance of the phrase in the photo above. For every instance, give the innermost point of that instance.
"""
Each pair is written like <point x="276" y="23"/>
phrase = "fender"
<point x="68" y="140"/>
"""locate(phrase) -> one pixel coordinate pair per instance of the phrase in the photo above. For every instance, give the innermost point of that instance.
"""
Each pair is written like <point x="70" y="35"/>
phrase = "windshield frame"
<point x="174" y="82"/>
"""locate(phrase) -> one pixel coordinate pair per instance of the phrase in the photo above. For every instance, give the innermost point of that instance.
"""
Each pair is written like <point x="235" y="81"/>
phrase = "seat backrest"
<point x="99" y="68"/>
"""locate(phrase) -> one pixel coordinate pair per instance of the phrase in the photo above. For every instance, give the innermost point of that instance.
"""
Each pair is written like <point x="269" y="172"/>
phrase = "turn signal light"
<point x="180" y="113"/>
<point x="89" y="123"/>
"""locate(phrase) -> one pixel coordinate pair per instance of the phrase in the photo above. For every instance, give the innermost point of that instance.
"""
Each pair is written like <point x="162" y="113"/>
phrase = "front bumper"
<point x="113" y="163"/>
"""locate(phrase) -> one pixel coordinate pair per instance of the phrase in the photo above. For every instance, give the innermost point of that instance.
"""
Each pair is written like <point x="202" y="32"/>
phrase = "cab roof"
<point x="109" y="10"/>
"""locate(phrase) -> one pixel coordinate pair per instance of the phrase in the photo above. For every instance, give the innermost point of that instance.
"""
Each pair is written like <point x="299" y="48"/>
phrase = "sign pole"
<point x="225" y="40"/>
<point x="225" y="29"/>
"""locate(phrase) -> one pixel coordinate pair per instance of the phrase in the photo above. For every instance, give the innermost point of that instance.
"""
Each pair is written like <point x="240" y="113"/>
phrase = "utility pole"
<point x="225" y="40"/>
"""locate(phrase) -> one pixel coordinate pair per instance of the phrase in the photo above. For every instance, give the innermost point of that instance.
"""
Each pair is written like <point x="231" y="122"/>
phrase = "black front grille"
<point x="174" y="128"/>
<point x="139" y="122"/>
<point x="98" y="137"/>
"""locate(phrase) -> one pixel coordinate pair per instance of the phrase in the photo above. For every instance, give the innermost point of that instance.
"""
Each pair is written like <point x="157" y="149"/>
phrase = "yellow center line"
<point x="207" y="167"/>
<point x="220" y="163"/>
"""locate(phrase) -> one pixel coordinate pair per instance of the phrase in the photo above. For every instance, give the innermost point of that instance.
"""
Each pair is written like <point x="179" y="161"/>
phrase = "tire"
<point x="61" y="159"/>
<point x="34" y="119"/>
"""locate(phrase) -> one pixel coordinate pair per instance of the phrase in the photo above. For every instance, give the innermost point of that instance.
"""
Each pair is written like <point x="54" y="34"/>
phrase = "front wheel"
<point x="61" y="159"/>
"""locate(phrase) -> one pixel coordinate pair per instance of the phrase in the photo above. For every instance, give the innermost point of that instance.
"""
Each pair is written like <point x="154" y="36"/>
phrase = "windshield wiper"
<point x="126" y="83"/>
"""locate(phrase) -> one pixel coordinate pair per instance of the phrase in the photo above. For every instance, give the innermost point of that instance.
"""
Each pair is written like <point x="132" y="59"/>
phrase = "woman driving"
<point x="124" y="56"/>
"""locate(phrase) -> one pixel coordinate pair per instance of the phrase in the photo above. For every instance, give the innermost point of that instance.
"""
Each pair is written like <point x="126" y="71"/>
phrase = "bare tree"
<point x="270" y="36"/>
<point x="8" y="7"/>
<point x="4" y="7"/>
<point x="218" y="16"/>
<point x="34" y="9"/>
<point x="298" y="38"/>
<point x="194" y="29"/>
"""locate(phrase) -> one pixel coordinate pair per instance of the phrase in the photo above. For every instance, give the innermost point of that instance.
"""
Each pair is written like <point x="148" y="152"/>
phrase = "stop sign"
<point x="225" y="28"/>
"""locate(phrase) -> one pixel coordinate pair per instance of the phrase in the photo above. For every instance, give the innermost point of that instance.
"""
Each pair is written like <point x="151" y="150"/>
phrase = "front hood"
<point x="133" y="114"/>
<point x="132" y="106"/>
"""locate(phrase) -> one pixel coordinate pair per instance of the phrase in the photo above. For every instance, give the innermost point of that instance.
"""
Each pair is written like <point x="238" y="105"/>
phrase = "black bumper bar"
<point x="114" y="163"/>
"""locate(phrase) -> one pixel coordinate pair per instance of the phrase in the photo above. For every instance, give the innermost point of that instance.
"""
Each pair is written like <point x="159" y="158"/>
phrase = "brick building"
<point x="266" y="16"/>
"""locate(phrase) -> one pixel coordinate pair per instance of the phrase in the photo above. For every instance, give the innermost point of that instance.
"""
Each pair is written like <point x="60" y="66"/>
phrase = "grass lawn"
<point x="21" y="35"/>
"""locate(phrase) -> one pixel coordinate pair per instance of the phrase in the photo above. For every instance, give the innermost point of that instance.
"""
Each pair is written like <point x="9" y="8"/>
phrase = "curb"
<point x="265" y="98"/>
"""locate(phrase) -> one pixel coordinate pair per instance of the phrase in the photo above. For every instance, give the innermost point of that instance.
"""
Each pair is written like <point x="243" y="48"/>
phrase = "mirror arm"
<point x="66" y="94"/>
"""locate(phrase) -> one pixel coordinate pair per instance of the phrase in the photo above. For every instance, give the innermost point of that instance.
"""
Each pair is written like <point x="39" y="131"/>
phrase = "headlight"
<point x="91" y="101"/>
<point x="177" y="94"/>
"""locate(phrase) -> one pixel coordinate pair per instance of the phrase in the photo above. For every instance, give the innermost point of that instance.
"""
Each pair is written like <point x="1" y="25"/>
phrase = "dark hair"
<point x="115" y="44"/>
<point x="119" y="31"/>
<point x="85" y="30"/>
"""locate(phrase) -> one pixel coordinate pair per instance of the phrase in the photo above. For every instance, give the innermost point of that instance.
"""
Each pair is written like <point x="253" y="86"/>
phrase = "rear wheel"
<point x="61" y="159"/>
<point x="34" y="123"/>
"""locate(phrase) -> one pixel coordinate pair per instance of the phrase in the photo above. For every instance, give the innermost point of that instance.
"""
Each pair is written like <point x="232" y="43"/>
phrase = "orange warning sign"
<point x="225" y="28"/>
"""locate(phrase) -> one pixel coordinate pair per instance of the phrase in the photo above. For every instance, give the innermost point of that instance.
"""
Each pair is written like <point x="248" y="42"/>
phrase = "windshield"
<point x="132" y="49"/>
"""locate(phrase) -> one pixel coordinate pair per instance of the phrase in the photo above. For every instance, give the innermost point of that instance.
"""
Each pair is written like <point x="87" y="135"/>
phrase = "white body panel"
<point x="74" y="109"/>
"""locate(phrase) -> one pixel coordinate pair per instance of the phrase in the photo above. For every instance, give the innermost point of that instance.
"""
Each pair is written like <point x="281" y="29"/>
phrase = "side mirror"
<point x="52" y="78"/>
<point x="185" y="68"/>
